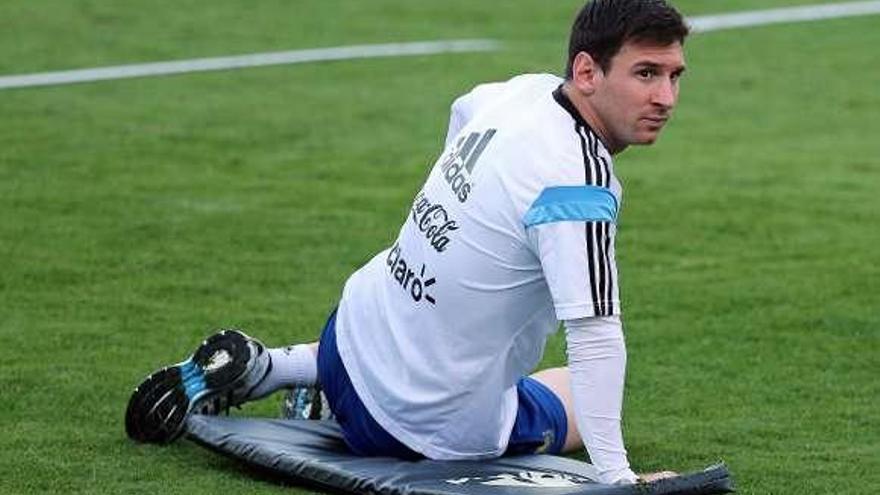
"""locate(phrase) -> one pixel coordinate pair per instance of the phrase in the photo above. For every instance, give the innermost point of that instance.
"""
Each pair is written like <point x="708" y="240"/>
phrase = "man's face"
<point x="634" y="98"/>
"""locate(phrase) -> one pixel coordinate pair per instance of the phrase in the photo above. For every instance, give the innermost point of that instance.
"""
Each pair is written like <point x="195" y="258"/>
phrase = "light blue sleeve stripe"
<point x="571" y="204"/>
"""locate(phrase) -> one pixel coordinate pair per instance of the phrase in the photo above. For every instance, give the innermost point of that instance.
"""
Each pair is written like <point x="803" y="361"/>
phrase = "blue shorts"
<point x="540" y="425"/>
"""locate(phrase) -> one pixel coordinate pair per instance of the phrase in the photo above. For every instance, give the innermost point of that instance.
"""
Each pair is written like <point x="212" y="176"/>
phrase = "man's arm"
<point x="597" y="364"/>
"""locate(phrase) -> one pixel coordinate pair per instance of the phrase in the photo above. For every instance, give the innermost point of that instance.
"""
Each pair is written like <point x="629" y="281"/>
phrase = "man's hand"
<point x="649" y="477"/>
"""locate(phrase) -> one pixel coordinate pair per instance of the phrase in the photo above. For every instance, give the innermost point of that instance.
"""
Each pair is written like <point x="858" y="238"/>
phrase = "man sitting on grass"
<point x="429" y="350"/>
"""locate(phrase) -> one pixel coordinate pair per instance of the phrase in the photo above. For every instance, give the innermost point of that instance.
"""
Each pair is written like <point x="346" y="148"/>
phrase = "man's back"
<point x="436" y="330"/>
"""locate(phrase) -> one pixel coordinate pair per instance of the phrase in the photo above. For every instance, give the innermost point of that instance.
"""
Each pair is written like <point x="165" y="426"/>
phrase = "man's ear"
<point x="585" y="73"/>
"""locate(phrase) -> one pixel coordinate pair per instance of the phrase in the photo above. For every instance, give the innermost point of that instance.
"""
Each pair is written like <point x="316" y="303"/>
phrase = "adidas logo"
<point x="459" y="164"/>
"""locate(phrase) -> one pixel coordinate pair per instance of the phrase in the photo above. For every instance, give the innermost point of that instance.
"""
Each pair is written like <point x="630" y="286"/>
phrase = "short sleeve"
<point x="572" y="232"/>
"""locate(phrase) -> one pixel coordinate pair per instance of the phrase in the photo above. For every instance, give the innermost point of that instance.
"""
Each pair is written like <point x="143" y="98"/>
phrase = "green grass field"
<point x="137" y="215"/>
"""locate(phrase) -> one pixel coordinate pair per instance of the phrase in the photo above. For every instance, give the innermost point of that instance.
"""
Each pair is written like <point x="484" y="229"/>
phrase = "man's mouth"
<point x="655" y="123"/>
<point x="656" y="120"/>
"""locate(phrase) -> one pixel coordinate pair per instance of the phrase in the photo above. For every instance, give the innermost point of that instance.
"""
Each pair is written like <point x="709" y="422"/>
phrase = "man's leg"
<point x="363" y="435"/>
<point x="558" y="381"/>
<point x="291" y="366"/>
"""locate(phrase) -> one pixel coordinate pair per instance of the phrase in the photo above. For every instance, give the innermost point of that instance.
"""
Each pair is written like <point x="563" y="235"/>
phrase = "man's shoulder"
<point x="533" y="138"/>
<point x="505" y="97"/>
<point x="543" y="136"/>
<point x="535" y="82"/>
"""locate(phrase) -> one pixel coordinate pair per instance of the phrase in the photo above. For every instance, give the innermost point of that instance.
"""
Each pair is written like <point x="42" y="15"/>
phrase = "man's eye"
<point x="646" y="73"/>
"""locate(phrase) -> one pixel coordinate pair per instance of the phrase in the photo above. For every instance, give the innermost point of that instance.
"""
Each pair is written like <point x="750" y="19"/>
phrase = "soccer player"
<point x="429" y="350"/>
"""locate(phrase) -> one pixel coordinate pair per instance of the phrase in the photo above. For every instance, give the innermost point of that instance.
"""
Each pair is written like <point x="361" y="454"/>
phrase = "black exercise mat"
<point x="312" y="453"/>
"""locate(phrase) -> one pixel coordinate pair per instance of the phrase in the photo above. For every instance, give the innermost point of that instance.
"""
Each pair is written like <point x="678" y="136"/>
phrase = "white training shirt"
<point x="512" y="231"/>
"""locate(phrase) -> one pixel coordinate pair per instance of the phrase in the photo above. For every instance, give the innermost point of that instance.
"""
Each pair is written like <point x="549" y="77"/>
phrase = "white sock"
<point x="291" y="366"/>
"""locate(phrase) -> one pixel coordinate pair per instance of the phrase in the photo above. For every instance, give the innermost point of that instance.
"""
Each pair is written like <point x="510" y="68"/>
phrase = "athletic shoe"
<point x="221" y="373"/>
<point x="305" y="402"/>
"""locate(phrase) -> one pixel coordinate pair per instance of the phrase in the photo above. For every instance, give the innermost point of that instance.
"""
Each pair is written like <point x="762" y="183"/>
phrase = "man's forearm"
<point x="597" y="363"/>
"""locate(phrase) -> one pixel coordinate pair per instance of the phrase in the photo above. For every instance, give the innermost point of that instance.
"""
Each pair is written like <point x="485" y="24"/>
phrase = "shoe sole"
<point x="160" y="405"/>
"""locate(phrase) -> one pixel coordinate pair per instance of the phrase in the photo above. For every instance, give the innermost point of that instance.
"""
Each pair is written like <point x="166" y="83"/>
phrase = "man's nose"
<point x="665" y="94"/>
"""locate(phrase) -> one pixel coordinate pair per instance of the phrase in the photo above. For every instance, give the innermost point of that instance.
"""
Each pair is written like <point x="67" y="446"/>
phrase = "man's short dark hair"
<point x="602" y="27"/>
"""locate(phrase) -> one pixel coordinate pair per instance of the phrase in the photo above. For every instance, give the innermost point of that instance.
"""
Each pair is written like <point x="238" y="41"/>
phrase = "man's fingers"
<point x="649" y="477"/>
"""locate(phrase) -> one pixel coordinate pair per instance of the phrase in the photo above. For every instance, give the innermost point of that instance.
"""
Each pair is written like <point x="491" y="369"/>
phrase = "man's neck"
<point x="585" y="109"/>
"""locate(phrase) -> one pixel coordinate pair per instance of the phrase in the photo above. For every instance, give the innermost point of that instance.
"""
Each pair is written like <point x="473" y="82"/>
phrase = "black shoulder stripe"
<point x="596" y="170"/>
<point x="608" y="260"/>
<point x="602" y="256"/>
<point x="605" y="169"/>
<point x="588" y="167"/>
<point x="602" y="171"/>
<point x="591" y="268"/>
<point x="594" y="157"/>
<point x="584" y="132"/>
